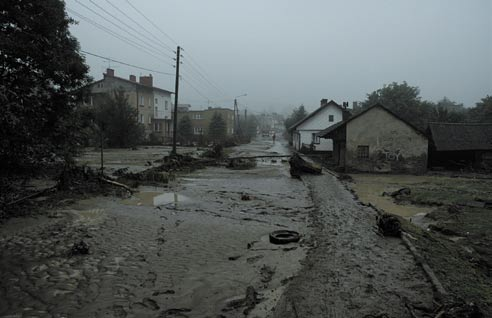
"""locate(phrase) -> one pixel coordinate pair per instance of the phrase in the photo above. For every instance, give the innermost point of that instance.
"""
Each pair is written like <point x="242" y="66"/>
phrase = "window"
<point x="198" y="130"/>
<point x="197" y="116"/>
<point x="142" y="101"/>
<point x="157" y="126"/>
<point x="314" y="138"/>
<point x="165" y="105"/>
<point x="156" y="112"/>
<point x="362" y="152"/>
<point x="156" y="101"/>
<point x="330" y="118"/>
<point x="150" y="119"/>
<point x="142" y="121"/>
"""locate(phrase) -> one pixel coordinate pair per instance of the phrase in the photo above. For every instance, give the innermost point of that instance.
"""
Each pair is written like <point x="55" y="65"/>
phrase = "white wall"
<point x="162" y="112"/>
<point x="317" y="123"/>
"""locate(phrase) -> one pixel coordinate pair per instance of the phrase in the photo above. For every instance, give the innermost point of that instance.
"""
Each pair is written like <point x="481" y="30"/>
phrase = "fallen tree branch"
<point x="427" y="269"/>
<point x="31" y="196"/>
<point x="121" y="185"/>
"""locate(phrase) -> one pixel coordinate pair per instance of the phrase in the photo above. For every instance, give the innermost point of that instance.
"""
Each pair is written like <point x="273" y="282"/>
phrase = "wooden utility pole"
<point x="176" y="89"/>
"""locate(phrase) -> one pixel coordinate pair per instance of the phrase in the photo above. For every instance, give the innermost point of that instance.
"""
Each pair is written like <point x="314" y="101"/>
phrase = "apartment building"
<point x="200" y="119"/>
<point x="153" y="104"/>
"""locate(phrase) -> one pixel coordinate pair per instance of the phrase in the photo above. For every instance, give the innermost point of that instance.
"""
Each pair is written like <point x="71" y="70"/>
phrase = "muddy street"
<point x="352" y="271"/>
<point x="190" y="249"/>
<point x="200" y="245"/>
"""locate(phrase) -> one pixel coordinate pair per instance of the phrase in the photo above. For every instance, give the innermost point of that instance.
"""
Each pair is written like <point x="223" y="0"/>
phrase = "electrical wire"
<point x="118" y="36"/>
<point x="127" y="64"/>
<point x="150" y="21"/>
<point x="142" y="27"/>
<point x="148" y="45"/>
<point x="126" y="25"/>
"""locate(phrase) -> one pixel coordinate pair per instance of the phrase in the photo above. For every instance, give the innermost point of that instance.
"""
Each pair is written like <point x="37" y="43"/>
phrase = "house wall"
<point x="200" y="119"/>
<point x="162" y="115"/>
<point x="316" y="124"/>
<point x="393" y="145"/>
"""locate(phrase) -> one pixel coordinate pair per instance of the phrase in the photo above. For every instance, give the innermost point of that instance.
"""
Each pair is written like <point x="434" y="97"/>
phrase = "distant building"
<point x="153" y="104"/>
<point x="304" y="131"/>
<point x="377" y="140"/>
<point x="200" y="119"/>
<point x="460" y="145"/>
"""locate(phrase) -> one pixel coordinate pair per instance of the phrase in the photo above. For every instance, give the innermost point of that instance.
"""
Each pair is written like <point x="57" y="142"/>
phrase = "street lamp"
<point x="237" y="128"/>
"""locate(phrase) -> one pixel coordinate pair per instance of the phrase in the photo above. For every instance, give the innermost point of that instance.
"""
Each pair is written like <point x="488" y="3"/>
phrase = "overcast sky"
<point x="283" y="53"/>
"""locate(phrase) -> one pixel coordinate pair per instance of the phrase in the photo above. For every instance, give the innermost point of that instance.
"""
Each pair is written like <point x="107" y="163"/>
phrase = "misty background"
<point x="286" y="53"/>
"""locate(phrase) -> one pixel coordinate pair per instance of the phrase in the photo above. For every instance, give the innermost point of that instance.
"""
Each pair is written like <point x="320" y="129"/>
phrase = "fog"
<point x="284" y="53"/>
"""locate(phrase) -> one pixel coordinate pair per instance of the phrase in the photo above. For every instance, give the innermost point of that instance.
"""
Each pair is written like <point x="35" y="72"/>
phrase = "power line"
<point x="124" y="23"/>
<point x="196" y="90"/>
<point x="142" y="27"/>
<point x="116" y="35"/>
<point x="127" y="64"/>
<point x="203" y="76"/>
<point x="150" y="46"/>
<point x="143" y="15"/>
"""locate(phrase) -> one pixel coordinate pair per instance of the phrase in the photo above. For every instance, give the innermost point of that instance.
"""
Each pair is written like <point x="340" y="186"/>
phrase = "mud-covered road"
<point x="188" y="250"/>
<point x="193" y="248"/>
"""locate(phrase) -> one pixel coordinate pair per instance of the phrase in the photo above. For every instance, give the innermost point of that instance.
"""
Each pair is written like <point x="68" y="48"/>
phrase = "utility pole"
<point x="235" y="117"/>
<point x="176" y="89"/>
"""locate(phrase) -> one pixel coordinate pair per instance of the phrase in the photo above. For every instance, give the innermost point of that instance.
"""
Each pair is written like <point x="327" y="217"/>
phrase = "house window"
<point x="142" y="100"/>
<point x="197" y="116"/>
<point x="150" y="119"/>
<point x="198" y="130"/>
<point x="362" y="152"/>
<point x="156" y="101"/>
<point x="156" y="112"/>
<point x="142" y="121"/>
<point x="330" y="118"/>
<point x="314" y="138"/>
<point x="165" y="105"/>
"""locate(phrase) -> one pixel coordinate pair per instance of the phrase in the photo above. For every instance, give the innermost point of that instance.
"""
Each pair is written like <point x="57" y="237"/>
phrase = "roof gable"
<point x="337" y="126"/>
<point x="461" y="137"/>
<point x="314" y="113"/>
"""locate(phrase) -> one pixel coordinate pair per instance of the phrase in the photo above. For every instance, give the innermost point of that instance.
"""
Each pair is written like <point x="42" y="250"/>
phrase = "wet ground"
<point x="190" y="249"/>
<point x="352" y="271"/>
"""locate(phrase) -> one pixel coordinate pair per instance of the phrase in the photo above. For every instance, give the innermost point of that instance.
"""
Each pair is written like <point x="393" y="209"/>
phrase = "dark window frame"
<point x="362" y="152"/>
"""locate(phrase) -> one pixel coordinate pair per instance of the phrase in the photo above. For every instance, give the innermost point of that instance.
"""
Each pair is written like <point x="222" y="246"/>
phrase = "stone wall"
<point x="393" y="146"/>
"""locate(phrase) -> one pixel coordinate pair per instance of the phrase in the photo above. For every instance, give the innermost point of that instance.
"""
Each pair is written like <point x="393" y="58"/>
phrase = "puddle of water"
<point x="152" y="198"/>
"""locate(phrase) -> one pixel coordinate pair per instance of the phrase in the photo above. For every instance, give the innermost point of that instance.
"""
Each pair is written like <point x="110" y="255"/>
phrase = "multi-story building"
<point x="153" y="104"/>
<point x="200" y="119"/>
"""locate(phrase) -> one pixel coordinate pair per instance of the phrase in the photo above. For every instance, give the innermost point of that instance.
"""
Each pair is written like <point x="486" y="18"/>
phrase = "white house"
<point x="304" y="131"/>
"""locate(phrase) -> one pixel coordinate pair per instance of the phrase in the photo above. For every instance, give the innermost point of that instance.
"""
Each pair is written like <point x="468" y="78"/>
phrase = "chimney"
<point x="109" y="72"/>
<point x="133" y="78"/>
<point x="324" y="101"/>
<point x="146" y="80"/>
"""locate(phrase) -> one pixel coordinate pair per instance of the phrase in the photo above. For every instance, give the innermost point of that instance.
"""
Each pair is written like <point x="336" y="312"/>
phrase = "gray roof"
<point x="324" y="133"/>
<point x="459" y="137"/>
<point x="331" y="102"/>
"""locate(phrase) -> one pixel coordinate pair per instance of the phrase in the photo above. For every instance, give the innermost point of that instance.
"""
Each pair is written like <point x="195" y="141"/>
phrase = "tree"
<point x="449" y="105"/>
<point x="297" y="114"/>
<point x="482" y="112"/>
<point x="185" y="129"/>
<point x="116" y="119"/>
<point x="217" y="129"/>
<point x="42" y="72"/>
<point x="403" y="100"/>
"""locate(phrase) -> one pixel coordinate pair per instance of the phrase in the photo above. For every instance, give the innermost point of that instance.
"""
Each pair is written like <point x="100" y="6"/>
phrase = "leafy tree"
<point x="449" y="105"/>
<point x="217" y="129"/>
<point x="42" y="71"/>
<point x="403" y="100"/>
<point x="482" y="112"/>
<point x="117" y="121"/>
<point x="185" y="129"/>
<point x="297" y="114"/>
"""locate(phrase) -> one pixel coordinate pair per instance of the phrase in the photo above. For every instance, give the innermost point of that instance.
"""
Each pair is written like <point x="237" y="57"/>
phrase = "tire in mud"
<point x="284" y="237"/>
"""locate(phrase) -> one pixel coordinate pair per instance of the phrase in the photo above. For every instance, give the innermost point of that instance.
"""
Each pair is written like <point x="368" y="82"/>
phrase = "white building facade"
<point x="304" y="131"/>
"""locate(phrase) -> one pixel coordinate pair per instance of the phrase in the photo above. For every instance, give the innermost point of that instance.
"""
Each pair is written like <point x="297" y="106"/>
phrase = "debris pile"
<point x="241" y="163"/>
<point x="249" y="301"/>
<point x="389" y="225"/>
<point x="299" y="165"/>
<point x="216" y="152"/>
<point x="398" y="193"/>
